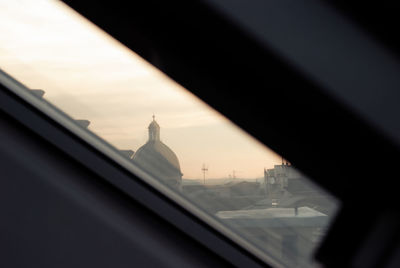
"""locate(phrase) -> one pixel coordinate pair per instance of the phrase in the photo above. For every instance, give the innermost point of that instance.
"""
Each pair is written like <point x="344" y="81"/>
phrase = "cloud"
<point x="89" y="75"/>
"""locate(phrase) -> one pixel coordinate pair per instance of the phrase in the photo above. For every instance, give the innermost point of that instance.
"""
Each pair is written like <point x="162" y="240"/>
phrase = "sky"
<point x="86" y="73"/>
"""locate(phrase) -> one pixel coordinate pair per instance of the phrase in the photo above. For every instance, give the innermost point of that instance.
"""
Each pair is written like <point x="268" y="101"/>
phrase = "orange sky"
<point x="89" y="75"/>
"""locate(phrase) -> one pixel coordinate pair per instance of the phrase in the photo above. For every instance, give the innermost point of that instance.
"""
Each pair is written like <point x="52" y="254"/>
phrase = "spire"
<point x="154" y="130"/>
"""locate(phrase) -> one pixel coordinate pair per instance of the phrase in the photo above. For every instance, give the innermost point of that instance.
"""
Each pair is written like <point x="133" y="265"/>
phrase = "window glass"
<point x="164" y="130"/>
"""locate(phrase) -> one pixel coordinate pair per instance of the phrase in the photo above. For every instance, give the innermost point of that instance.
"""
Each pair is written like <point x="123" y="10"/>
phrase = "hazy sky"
<point x="45" y="45"/>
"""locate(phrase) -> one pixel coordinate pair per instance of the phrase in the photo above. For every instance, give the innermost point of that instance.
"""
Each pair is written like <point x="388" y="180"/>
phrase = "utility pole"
<point x="204" y="169"/>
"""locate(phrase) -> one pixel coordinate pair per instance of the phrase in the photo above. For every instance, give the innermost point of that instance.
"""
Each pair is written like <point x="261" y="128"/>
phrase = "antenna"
<point x="234" y="172"/>
<point x="204" y="169"/>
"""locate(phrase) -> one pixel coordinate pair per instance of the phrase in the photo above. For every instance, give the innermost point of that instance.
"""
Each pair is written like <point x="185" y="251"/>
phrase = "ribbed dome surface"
<point x="157" y="151"/>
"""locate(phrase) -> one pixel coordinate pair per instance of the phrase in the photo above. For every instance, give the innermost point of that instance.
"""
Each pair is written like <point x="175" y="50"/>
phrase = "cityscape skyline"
<point x="89" y="75"/>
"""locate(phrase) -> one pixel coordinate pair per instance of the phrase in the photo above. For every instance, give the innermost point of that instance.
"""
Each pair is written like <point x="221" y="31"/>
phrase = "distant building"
<point x="279" y="179"/>
<point x="230" y="189"/>
<point x="127" y="153"/>
<point x="228" y="196"/>
<point x="242" y="188"/>
<point x="38" y="93"/>
<point x="158" y="159"/>
<point x="289" y="234"/>
<point x="286" y="187"/>
<point x="283" y="178"/>
<point x="83" y="123"/>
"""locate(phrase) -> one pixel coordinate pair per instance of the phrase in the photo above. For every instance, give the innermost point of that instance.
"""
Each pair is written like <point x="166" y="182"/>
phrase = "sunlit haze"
<point x="87" y="74"/>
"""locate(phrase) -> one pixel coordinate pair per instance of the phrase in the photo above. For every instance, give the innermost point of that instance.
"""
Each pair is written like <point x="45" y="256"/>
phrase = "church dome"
<point x="158" y="159"/>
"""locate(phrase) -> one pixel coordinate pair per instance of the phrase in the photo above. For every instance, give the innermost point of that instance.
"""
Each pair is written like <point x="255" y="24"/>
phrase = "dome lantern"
<point x="154" y="131"/>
